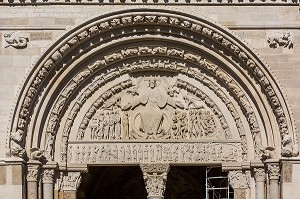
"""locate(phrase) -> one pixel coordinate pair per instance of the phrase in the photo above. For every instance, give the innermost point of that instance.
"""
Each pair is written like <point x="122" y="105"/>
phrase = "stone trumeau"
<point x="155" y="95"/>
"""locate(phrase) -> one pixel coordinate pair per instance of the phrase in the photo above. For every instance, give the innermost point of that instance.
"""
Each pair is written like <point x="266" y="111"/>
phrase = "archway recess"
<point x="151" y="85"/>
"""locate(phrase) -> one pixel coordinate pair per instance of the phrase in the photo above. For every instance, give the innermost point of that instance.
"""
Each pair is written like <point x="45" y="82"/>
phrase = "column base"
<point x="155" y="197"/>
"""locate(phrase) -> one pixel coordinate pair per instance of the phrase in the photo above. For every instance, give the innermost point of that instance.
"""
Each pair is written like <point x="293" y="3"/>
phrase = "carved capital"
<point x="155" y="178"/>
<point x="274" y="171"/>
<point x="70" y="181"/>
<point x="259" y="174"/>
<point x="32" y="174"/>
<point x="33" y="170"/>
<point x="239" y="179"/>
<point x="48" y="176"/>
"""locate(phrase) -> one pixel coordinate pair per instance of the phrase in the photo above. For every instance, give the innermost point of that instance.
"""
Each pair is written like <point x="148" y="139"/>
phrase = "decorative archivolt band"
<point x="165" y="66"/>
<point x="133" y="19"/>
<point x="126" y="68"/>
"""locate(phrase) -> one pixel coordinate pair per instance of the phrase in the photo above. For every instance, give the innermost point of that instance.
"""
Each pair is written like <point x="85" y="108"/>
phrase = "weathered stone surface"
<point x="261" y="26"/>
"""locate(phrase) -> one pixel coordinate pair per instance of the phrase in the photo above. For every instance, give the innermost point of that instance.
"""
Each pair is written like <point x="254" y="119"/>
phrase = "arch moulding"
<point x="151" y="85"/>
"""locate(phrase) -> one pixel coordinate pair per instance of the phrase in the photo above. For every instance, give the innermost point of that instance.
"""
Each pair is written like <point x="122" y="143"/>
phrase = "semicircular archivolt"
<point x="208" y="30"/>
<point x="244" y="103"/>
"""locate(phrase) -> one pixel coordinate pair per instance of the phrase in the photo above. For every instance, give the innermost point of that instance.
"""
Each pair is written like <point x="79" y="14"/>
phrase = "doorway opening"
<point x="126" y="182"/>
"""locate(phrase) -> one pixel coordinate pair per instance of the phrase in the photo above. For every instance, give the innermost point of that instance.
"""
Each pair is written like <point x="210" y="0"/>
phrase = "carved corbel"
<point x="155" y="178"/>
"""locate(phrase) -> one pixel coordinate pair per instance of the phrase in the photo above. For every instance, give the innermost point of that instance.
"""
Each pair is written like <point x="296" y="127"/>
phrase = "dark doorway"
<point x="126" y="182"/>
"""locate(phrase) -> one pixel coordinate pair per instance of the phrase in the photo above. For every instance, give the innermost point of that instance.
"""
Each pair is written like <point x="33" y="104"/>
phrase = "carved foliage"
<point x="48" y="176"/>
<point x="239" y="179"/>
<point x="70" y="181"/>
<point x="155" y="177"/>
<point x="274" y="171"/>
<point x="259" y="174"/>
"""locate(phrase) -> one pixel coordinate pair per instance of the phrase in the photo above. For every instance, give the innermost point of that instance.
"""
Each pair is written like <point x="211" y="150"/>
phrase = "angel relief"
<point x="154" y="108"/>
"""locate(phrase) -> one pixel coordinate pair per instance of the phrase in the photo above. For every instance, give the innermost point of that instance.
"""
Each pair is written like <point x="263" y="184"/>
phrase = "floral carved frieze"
<point x="138" y="152"/>
<point x="103" y="26"/>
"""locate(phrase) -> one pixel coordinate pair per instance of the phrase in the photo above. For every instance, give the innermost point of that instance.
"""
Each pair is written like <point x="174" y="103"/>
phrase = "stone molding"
<point x="255" y="65"/>
<point x="149" y="2"/>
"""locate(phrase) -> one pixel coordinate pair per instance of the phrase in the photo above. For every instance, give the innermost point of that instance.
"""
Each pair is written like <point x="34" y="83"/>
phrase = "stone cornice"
<point x="150" y="2"/>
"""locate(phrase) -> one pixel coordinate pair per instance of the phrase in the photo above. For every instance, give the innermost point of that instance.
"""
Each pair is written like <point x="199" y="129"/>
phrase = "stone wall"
<point x="43" y="25"/>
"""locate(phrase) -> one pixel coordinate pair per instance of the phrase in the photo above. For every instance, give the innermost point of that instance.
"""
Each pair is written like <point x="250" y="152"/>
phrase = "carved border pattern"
<point x="149" y="2"/>
<point x="177" y="68"/>
<point x="127" y="68"/>
<point x="152" y="19"/>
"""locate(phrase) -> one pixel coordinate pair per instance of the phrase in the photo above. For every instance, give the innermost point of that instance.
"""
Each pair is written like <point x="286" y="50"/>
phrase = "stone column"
<point x="239" y="180"/>
<point x="274" y="174"/>
<point x="69" y="185"/>
<point x="32" y="179"/>
<point x="155" y="178"/>
<point x="260" y="178"/>
<point x="48" y="180"/>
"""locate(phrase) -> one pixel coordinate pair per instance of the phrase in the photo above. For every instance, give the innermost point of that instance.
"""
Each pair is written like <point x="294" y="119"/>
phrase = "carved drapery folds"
<point x="155" y="177"/>
<point x="253" y="66"/>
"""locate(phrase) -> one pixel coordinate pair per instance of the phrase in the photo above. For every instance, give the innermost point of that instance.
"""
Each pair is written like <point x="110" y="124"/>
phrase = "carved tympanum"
<point x="157" y="107"/>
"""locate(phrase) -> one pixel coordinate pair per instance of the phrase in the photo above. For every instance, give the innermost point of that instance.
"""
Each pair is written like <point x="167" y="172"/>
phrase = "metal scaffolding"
<point x="217" y="187"/>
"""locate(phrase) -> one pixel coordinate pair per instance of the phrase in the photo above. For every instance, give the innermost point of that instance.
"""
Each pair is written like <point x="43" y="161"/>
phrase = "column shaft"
<point x="274" y="189"/>
<point x="32" y="190"/>
<point x="260" y="190"/>
<point x="48" y="191"/>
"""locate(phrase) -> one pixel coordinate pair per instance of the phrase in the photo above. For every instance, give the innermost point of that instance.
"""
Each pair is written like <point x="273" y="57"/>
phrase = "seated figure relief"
<point x="154" y="108"/>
